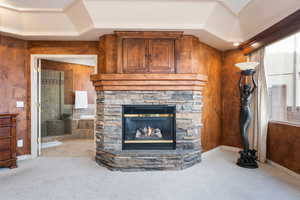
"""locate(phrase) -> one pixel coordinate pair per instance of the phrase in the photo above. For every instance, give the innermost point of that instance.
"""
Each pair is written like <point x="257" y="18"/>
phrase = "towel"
<point x="81" y="99"/>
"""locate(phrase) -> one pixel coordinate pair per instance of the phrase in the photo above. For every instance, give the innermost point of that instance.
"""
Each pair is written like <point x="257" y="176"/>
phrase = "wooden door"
<point x="161" y="55"/>
<point x="134" y="55"/>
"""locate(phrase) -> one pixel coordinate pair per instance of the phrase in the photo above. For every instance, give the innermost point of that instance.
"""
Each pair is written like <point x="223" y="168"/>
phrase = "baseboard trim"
<point x="212" y="150"/>
<point x="24" y="157"/>
<point x="223" y="147"/>
<point x="230" y="148"/>
<point x="270" y="162"/>
<point x="282" y="168"/>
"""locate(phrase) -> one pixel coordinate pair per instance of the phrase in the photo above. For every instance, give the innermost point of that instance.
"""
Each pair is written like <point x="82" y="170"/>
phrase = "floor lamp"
<point x="247" y="86"/>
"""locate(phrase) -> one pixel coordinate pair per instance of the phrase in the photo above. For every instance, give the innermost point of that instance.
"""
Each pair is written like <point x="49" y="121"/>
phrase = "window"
<point x="282" y="61"/>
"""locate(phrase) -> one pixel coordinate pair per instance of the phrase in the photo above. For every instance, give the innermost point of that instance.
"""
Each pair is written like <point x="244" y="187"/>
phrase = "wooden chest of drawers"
<point x="8" y="154"/>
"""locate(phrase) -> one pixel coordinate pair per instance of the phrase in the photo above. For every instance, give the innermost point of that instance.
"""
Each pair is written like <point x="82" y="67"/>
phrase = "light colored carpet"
<point x="80" y="178"/>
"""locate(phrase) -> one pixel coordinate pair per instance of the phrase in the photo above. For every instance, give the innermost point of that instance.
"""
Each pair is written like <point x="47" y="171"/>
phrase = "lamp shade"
<point x="246" y="65"/>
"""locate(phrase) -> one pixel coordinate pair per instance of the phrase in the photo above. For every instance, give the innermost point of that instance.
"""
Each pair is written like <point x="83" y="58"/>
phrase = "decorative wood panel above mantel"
<point x="144" y="52"/>
<point x="147" y="51"/>
<point x="138" y="82"/>
<point x="149" y="60"/>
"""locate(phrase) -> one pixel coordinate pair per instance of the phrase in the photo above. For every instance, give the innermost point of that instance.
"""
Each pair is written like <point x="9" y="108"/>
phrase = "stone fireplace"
<point x="149" y="101"/>
<point x="125" y="152"/>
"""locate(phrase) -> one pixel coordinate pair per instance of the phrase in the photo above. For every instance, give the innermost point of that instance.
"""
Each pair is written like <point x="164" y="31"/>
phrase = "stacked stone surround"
<point x="109" y="130"/>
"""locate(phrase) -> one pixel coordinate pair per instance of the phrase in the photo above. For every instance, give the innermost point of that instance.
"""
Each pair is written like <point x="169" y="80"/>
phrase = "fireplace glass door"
<point x="149" y="127"/>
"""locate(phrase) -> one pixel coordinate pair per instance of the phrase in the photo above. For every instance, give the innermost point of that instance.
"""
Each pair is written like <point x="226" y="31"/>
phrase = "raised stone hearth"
<point x="109" y="130"/>
<point x="142" y="160"/>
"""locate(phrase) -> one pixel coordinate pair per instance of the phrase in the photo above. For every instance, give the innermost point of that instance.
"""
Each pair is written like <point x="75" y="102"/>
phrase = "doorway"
<point x="63" y="105"/>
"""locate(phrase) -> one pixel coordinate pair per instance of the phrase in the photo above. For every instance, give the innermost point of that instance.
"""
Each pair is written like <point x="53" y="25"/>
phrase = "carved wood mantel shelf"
<point x="138" y="82"/>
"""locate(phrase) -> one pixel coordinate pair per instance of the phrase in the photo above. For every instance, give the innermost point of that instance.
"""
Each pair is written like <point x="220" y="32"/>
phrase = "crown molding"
<point x="280" y="30"/>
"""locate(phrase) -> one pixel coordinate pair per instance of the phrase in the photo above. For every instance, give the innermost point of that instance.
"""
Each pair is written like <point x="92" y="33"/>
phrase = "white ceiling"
<point x="218" y="23"/>
<point x="42" y="4"/>
<point x="236" y="6"/>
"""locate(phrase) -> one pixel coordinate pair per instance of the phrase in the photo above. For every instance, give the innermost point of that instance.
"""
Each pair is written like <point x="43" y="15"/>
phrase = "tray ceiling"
<point x="218" y="23"/>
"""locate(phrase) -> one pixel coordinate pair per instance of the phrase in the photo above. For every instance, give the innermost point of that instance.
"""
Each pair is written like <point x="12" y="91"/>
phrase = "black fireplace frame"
<point x="154" y="146"/>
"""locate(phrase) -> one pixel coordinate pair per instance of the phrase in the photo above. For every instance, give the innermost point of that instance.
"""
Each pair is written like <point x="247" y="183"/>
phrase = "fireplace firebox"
<point x="149" y="127"/>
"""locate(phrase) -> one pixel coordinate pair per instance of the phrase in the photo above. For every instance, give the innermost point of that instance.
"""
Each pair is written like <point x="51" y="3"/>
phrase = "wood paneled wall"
<point x="283" y="145"/>
<point x="210" y="62"/>
<point x="14" y="75"/>
<point x="231" y="98"/>
<point x="77" y="77"/>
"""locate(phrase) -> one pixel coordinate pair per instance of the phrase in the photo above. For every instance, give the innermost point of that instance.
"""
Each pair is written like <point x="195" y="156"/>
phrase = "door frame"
<point x="35" y="147"/>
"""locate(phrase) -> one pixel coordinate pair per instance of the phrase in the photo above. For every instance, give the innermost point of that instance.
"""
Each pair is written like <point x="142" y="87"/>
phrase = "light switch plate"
<point x="20" y="143"/>
<point x="20" y="104"/>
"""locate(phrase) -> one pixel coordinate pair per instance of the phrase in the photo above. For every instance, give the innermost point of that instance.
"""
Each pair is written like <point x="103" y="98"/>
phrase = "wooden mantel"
<point x="149" y="60"/>
<point x="163" y="82"/>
